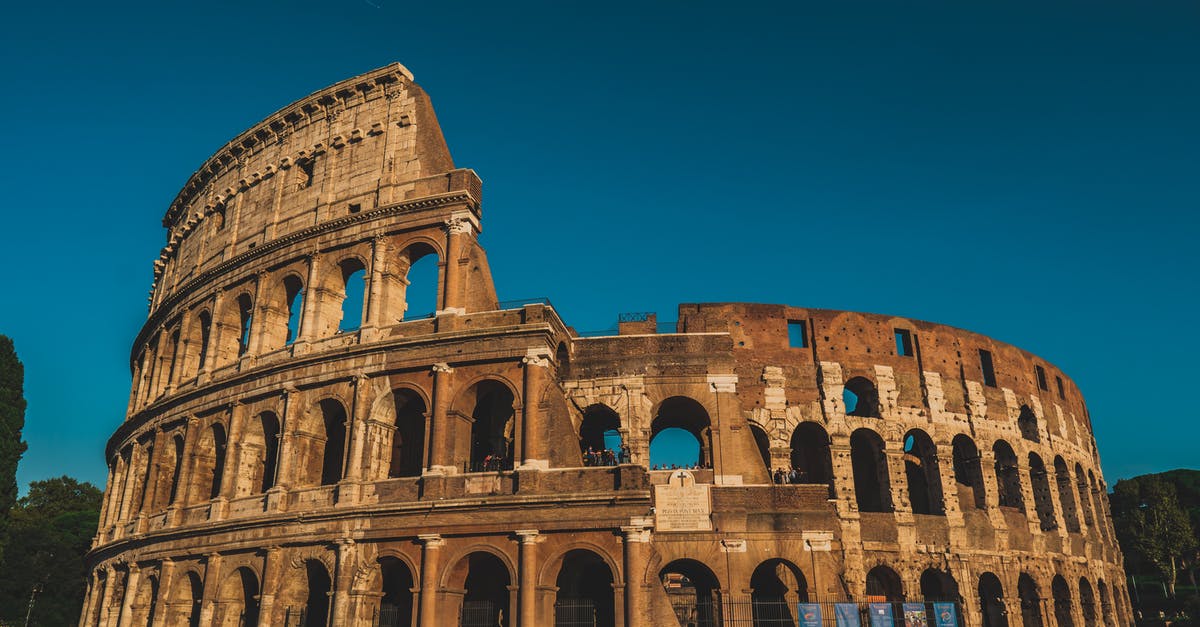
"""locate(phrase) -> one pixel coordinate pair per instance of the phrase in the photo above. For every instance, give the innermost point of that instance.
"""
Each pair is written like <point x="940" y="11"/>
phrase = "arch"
<point x="938" y="586"/>
<point x="237" y="599"/>
<point x="1086" y="505"/>
<point x="1106" y="606"/>
<point x="596" y="434"/>
<point x="352" y="294"/>
<point x="144" y="494"/>
<point x="968" y="473"/>
<point x="687" y="414"/>
<point x="396" y="608"/>
<point x="883" y="585"/>
<point x="293" y="301"/>
<point x="145" y="601"/>
<point x="1061" y="591"/>
<point x="319" y="586"/>
<point x="205" y="322"/>
<point x="419" y="265"/>
<point x="333" y="416"/>
<point x="1066" y="495"/>
<point x="245" y="318"/>
<point x="259" y="444"/>
<point x="763" y="443"/>
<point x="184" y="600"/>
<point x="1030" y="600"/>
<point x="1042" y="502"/>
<point x="872" y="487"/>
<point x="562" y="360"/>
<point x="493" y="419"/>
<point x="484" y="579"/>
<point x="811" y="455"/>
<point x="991" y="601"/>
<point x="921" y="471"/>
<point x="1008" y="476"/>
<point x="92" y="617"/>
<point x="585" y="591"/>
<point x="861" y="398"/>
<point x="1027" y="422"/>
<point x="176" y="464"/>
<point x="692" y="590"/>
<point x="408" y="439"/>
<point x="1087" y="602"/>
<point x="776" y="585"/>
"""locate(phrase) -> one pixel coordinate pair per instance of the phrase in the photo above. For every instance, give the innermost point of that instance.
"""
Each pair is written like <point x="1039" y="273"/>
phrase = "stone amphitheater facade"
<point x="290" y="456"/>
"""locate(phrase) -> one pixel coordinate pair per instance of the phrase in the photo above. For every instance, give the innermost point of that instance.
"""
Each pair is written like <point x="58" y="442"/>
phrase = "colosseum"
<point x="303" y="448"/>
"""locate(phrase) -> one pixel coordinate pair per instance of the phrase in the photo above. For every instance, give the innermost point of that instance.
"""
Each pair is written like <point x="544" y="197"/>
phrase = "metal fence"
<point x="482" y="614"/>
<point x="750" y="612"/>
<point x="392" y="616"/>
<point x="575" y="613"/>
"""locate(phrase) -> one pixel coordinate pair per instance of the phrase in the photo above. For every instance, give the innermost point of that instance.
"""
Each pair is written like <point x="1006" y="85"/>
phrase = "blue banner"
<point x="914" y="615"/>
<point x="881" y="615"/>
<point x="810" y="615"/>
<point x="946" y="614"/>
<point x="847" y="614"/>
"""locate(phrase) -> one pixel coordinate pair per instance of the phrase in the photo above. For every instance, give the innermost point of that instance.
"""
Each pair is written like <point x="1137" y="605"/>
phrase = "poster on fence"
<point x="881" y="615"/>
<point x="946" y="614"/>
<point x="914" y="615"/>
<point x="847" y="614"/>
<point x="810" y="615"/>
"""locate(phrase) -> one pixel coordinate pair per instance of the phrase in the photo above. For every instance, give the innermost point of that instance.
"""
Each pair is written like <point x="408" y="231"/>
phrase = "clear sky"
<point x="1027" y="170"/>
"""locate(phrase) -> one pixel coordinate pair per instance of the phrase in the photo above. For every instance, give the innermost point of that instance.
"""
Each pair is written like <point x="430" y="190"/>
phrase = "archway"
<point x="991" y="601"/>
<point x="692" y="591"/>
<point x="811" y="456"/>
<point x="484" y="581"/>
<point x="1066" y="495"/>
<point x="939" y="586"/>
<point x="884" y="586"/>
<point x="585" y="592"/>
<point x="185" y="600"/>
<point x="332" y="440"/>
<point x="145" y="602"/>
<point x="1031" y="601"/>
<point x="1106" y="606"/>
<point x="763" y="443"/>
<point x="1086" y="505"/>
<point x="776" y="586"/>
<point x="396" y="604"/>
<point x="1008" y="477"/>
<point x="420" y="292"/>
<point x="861" y="398"/>
<point x="968" y="473"/>
<point x="209" y="463"/>
<point x="1042" y="502"/>
<point x="353" y="294"/>
<point x="872" y="488"/>
<point x="1027" y="423"/>
<point x="1087" y="602"/>
<point x="921" y="471"/>
<point x="1062" y="601"/>
<point x="598" y="433"/>
<point x="408" y="440"/>
<point x="238" y="599"/>
<point x="688" y="415"/>
<point x="493" y="421"/>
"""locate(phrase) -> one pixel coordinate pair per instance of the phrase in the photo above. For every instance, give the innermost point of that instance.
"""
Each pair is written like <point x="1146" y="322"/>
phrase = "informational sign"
<point x="847" y="614"/>
<point x="681" y="505"/>
<point x="810" y="615"/>
<point x="914" y="615"/>
<point x="946" y="614"/>
<point x="881" y="615"/>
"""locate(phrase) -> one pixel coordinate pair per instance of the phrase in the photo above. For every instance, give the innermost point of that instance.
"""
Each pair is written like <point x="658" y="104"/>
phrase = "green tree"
<point x="51" y="532"/>
<point x="12" y="420"/>
<point x="1151" y="525"/>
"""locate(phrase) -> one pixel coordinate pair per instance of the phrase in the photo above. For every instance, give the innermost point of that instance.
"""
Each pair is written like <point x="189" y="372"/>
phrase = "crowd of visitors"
<point x="784" y="476"/>
<point x="605" y="457"/>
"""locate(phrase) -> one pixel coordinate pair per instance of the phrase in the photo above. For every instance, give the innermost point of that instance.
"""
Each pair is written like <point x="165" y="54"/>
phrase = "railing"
<point x="482" y="614"/>
<point x="491" y="464"/>
<point x="777" y="612"/>
<point x="576" y="613"/>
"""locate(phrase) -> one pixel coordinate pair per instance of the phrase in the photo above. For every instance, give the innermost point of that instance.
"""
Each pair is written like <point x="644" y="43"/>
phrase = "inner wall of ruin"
<point x="287" y="451"/>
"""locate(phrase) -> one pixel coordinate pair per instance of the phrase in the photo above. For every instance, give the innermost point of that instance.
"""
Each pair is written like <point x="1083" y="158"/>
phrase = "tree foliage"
<point x="1152" y="527"/>
<point x="12" y="421"/>
<point x="51" y="531"/>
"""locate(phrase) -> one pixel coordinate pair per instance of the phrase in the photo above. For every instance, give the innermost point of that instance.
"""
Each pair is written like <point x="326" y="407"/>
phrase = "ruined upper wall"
<point x="362" y="143"/>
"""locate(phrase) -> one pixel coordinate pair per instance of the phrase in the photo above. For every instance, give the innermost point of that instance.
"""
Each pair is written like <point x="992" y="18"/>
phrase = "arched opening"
<point x="861" y="398"/>
<point x="1099" y="499"/>
<point x="146" y="478"/>
<point x="682" y="413"/>
<point x="872" y="487"/>
<point x="245" y="307"/>
<point x="991" y="601"/>
<point x="421" y="282"/>
<point x="408" y="440"/>
<point x="209" y="462"/>
<point x="810" y="454"/>
<point x="585" y="592"/>
<point x="205" y="335"/>
<point x="1087" y="602"/>
<point x="492" y="423"/>
<point x="174" y="359"/>
<point x="599" y="439"/>
<point x="562" y="360"/>
<point x="1042" y="502"/>
<point x="884" y="586"/>
<point x="396" y="605"/>
<point x="188" y="594"/>
<point x="269" y="426"/>
<point x="294" y="299"/>
<point x="237" y="604"/>
<point x="1106" y="606"/>
<point x="776" y="586"/>
<point x="1066" y="496"/>
<point x="354" y="287"/>
<point x="97" y="606"/>
<point x="763" y="444"/>
<point x="938" y="586"/>
<point x="1086" y="505"/>
<point x="319" y="586"/>
<point x="1008" y="477"/>
<point x="968" y="473"/>
<point x="691" y="588"/>
<point x="1031" y="601"/>
<point x="921" y="471"/>
<point x="145" y="602"/>
<point x="1027" y="422"/>
<point x="176" y="464"/>
<point x="334" y="419"/>
<point x="485" y="601"/>
<point x="1062" y="601"/>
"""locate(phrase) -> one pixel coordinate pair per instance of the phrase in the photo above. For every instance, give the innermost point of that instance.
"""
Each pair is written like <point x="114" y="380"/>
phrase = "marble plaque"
<point x="681" y="505"/>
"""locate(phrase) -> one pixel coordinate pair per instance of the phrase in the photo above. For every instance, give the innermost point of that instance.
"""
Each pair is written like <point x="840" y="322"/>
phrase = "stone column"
<point x="375" y="289"/>
<point x="131" y="585"/>
<point x="266" y="602"/>
<point x="349" y="487"/>
<point x="308" y="317"/>
<point x="427" y="600"/>
<point x="106" y="599"/>
<point x="254" y="344"/>
<point x="212" y="584"/>
<point x="636" y="537"/>
<point x="166" y="576"/>
<point x="106" y="504"/>
<point x="135" y="459"/>
<point x="89" y="600"/>
<point x="342" y="580"/>
<point x="536" y="363"/>
<point x="460" y="226"/>
<point x="527" y="599"/>
<point x="233" y="450"/>
<point x="214" y="334"/>
<point x="187" y="467"/>
<point x="439" y="448"/>
<point x="287" y="428"/>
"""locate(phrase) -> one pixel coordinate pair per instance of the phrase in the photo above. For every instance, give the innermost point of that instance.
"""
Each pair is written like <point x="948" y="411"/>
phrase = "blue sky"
<point x="1025" y="170"/>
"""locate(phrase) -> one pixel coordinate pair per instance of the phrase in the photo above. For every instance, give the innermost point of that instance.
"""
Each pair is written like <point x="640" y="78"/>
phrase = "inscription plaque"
<point x="681" y="505"/>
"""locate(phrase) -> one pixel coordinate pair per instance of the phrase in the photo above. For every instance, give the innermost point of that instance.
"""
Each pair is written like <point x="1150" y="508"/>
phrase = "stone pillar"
<point x="527" y="599"/>
<point x="214" y="334"/>
<point x="427" y="600"/>
<point x="135" y="459"/>
<point x="375" y="289"/>
<point x="131" y="585"/>
<point x="636" y="537"/>
<point x="266" y="600"/>
<point x="724" y="388"/>
<point x="440" y="461"/>
<point x="106" y="503"/>
<point x="89" y="600"/>
<point x="460" y="226"/>
<point x="166" y="576"/>
<point x="287" y="429"/>
<point x="308" y="317"/>
<point x="212" y="584"/>
<point x="254" y="343"/>
<point x="349" y="487"/>
<point x="106" y="599"/>
<point x="342" y="581"/>
<point x="233" y="450"/>
<point x="536" y="363"/>
<point x="187" y="467"/>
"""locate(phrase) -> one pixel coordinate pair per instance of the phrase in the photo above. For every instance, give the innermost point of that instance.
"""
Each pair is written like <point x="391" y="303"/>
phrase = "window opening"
<point x="354" y="281"/>
<point x="797" y="334"/>
<point x="985" y="364"/>
<point x="245" y="314"/>
<point x="1062" y="392"/>
<point x="904" y="343"/>
<point x="1041" y="378"/>
<point x="295" y="305"/>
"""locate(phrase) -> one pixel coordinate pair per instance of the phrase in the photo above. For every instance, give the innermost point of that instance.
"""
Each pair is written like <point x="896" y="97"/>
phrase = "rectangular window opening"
<point x="985" y="364"/>
<point x="355" y="207"/>
<point x="1041" y="378"/>
<point x="904" y="343"/>
<point x="797" y="334"/>
<point x="1062" y="392"/>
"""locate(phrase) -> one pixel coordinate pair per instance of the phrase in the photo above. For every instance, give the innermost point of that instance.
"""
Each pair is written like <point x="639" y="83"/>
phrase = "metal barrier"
<point x="744" y="611"/>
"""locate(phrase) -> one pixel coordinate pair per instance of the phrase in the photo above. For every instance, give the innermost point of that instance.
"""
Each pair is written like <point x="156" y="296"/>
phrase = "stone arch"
<point x="1042" y="502"/>
<point x="259" y="446"/>
<point x="166" y="486"/>
<point x="306" y="592"/>
<point x="281" y="311"/>
<point x="201" y="337"/>
<point x="419" y="258"/>
<point x="1027" y="423"/>
<point x="95" y="610"/>
<point x="762" y="443"/>
<point x="687" y="414"/>
<point x="862" y="393"/>
<point x="991" y="601"/>
<point x="776" y="586"/>
<point x="320" y="443"/>
<point x="1030" y="598"/>
<point x="1008" y="476"/>
<point x="811" y="454"/>
<point x="184" y="599"/>
<point x="597" y="427"/>
<point x="208" y="459"/>
<point x="921" y="471"/>
<point x="145" y="601"/>
<point x="1086" y="505"/>
<point x="872" y="486"/>
<point x="968" y="473"/>
<point x="1061" y="591"/>
<point x="585" y="593"/>
<point x="349" y="294"/>
<point x="237" y="599"/>
<point x="489" y="405"/>
<point x="1066" y="495"/>
<point x="235" y="323"/>
<point x="692" y="588"/>
<point x="405" y="441"/>
<point x="395" y="585"/>
<point x="884" y="585"/>
<point x="938" y="586"/>
<point x="1087" y="602"/>
<point x="1106" y="606"/>
<point x="484" y="576"/>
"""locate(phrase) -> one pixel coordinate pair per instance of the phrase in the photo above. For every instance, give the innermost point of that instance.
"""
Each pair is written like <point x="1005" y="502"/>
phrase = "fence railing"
<point x="774" y="612"/>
